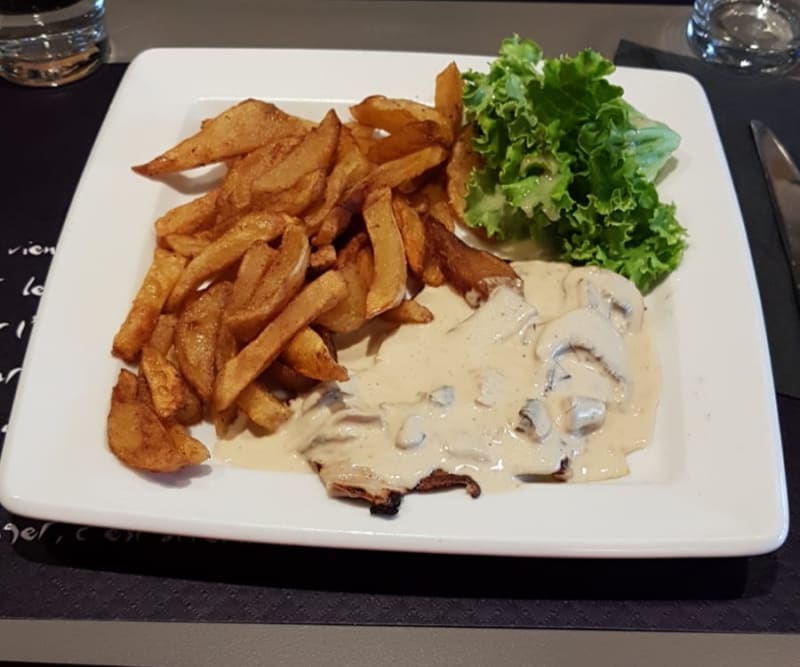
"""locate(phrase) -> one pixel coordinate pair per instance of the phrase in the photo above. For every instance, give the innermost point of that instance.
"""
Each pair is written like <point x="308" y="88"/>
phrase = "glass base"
<point x="747" y="35"/>
<point x="55" y="71"/>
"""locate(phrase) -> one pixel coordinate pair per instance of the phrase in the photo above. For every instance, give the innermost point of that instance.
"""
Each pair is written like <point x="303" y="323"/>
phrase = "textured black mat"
<point x="74" y="572"/>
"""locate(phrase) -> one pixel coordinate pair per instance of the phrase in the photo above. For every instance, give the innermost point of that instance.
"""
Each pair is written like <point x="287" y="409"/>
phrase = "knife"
<point x="783" y="179"/>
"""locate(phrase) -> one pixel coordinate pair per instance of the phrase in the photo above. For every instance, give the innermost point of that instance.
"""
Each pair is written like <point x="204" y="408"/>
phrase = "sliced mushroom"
<point x="534" y="420"/>
<point x="585" y="329"/>
<point x="584" y="414"/>
<point x="597" y="287"/>
<point x="327" y="395"/>
<point x="348" y="424"/>
<point x="410" y="434"/>
<point x="444" y="396"/>
<point x="491" y="385"/>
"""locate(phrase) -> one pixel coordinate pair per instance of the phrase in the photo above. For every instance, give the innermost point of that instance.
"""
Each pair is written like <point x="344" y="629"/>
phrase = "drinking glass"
<point x="51" y="42"/>
<point x="755" y="35"/>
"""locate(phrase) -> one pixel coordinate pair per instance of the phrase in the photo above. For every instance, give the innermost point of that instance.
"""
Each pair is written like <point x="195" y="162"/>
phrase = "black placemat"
<point x="66" y="571"/>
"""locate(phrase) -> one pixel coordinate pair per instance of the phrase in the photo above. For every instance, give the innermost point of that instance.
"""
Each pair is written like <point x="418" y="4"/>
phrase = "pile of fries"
<point x="314" y="230"/>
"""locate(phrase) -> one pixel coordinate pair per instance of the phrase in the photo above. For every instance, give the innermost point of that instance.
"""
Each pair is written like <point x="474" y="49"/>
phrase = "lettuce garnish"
<point x="568" y="162"/>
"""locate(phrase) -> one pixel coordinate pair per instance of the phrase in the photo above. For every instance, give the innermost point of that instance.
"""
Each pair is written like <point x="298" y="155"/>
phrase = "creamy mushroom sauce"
<point x="503" y="393"/>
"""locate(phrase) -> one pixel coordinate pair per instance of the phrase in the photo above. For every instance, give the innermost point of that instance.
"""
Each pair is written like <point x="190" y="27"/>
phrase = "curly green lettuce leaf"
<point x="566" y="160"/>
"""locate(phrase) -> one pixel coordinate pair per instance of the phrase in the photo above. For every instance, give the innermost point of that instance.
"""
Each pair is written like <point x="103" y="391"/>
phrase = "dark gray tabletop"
<point x="455" y="27"/>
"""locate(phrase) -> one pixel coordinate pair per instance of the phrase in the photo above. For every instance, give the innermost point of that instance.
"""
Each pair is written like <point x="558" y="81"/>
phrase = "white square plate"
<point x="711" y="483"/>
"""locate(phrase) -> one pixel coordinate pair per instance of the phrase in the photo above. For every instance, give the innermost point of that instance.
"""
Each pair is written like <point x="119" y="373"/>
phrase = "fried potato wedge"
<point x="191" y="410"/>
<point x="315" y="298"/>
<point x="196" y="338"/>
<point x="355" y="266"/>
<point x="459" y="170"/>
<point x="408" y="139"/>
<point x="279" y="283"/>
<point x="262" y="408"/>
<point x="235" y="192"/>
<point x="393" y="114"/>
<point x="408" y="312"/>
<point x="190" y="217"/>
<point x="323" y="258"/>
<point x="159" y="281"/>
<point x="225" y="251"/>
<point x="390" y="268"/>
<point x="309" y="355"/>
<point x="350" y="167"/>
<point x="333" y="226"/>
<point x="137" y="437"/>
<point x="288" y="378"/>
<point x="307" y="191"/>
<point x="364" y="135"/>
<point x="164" y="332"/>
<point x="472" y="272"/>
<point x="188" y="245"/>
<point x="194" y="451"/>
<point x="396" y="172"/>
<point x="448" y="97"/>
<point x="251" y="269"/>
<point x="413" y="233"/>
<point x="164" y="380"/>
<point x="238" y="130"/>
<point x="226" y="350"/>
<point x="315" y="151"/>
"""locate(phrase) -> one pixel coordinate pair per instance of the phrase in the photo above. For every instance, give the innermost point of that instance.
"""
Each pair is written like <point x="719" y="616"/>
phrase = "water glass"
<point x="51" y="42"/>
<point x="750" y="35"/>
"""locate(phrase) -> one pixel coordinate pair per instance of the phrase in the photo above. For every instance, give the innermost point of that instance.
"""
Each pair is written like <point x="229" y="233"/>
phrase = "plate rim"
<point x="15" y="501"/>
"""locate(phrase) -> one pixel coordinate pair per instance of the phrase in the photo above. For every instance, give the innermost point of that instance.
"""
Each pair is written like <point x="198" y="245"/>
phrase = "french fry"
<point x="188" y="245"/>
<point x="413" y="233"/>
<point x="350" y="167"/>
<point x="432" y="273"/>
<point x="315" y="151"/>
<point x="308" y="354"/>
<point x="323" y="258"/>
<point x="396" y="172"/>
<point x="288" y="378"/>
<point x="408" y="312"/>
<point x="364" y="135"/>
<point x="307" y="191"/>
<point x="191" y="410"/>
<point x="408" y="139"/>
<point x="262" y="408"/>
<point x="474" y="273"/>
<point x="334" y="224"/>
<point x="315" y="298"/>
<point x="390" y="272"/>
<point x="226" y="350"/>
<point x="235" y="191"/>
<point x="162" y="276"/>
<point x="459" y="170"/>
<point x="392" y="115"/>
<point x="164" y="381"/>
<point x="251" y="269"/>
<point x="190" y="217"/>
<point x="448" y="97"/>
<point x="280" y="282"/>
<point x="225" y="251"/>
<point x="355" y="266"/>
<point x="137" y="437"/>
<point x="164" y="333"/>
<point x="196" y="338"/>
<point x="438" y="206"/>
<point x="235" y="131"/>
<point x="193" y="451"/>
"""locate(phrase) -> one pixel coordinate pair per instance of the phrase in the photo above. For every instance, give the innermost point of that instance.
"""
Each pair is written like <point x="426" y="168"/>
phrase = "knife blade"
<point x="783" y="179"/>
